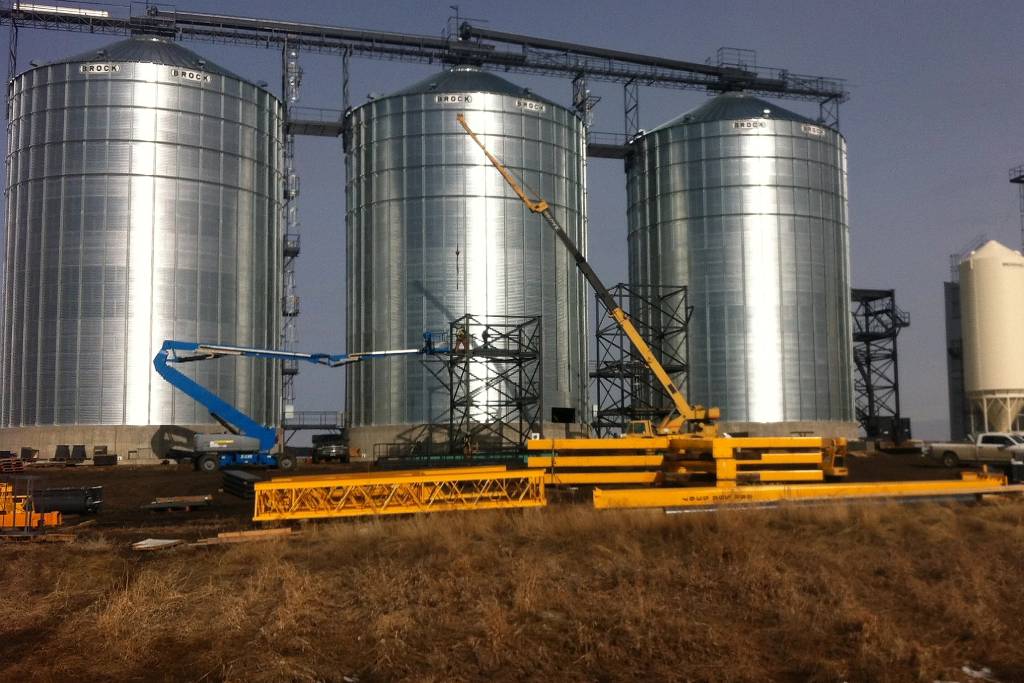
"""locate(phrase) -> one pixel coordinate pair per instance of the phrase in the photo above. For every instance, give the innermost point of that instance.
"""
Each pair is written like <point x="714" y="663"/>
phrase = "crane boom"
<point x="685" y="414"/>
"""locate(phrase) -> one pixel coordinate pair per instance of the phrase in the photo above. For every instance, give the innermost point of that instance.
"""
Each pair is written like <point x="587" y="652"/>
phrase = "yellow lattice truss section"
<point x="398" y="493"/>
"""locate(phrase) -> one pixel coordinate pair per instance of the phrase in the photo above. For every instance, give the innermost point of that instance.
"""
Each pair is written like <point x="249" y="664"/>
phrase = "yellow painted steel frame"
<point x="730" y="460"/>
<point x="599" y="468"/>
<point x="15" y="512"/>
<point x="592" y="478"/>
<point x="478" y="469"/>
<point x="397" y="493"/>
<point x="595" y="460"/>
<point x="716" y="496"/>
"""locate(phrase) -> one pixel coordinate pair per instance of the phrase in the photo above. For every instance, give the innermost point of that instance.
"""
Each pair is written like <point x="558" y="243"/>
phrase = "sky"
<point x="931" y="126"/>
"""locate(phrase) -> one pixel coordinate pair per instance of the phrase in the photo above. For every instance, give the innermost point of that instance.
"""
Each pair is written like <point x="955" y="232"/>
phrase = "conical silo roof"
<point x="732" y="106"/>
<point x="150" y="50"/>
<point x="468" y="79"/>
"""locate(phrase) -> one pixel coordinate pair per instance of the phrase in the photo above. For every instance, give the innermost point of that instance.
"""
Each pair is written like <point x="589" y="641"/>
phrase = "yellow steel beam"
<point x="617" y="445"/>
<point x="27" y="519"/>
<point x="745" y="495"/>
<point x="590" y="478"/>
<point x="595" y="460"/>
<point x="780" y="475"/>
<point x="678" y="443"/>
<point x="809" y="458"/>
<point x="379" y="494"/>
<point x="702" y="444"/>
<point x="391" y="473"/>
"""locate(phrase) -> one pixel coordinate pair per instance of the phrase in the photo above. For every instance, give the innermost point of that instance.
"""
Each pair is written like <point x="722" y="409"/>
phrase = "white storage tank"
<point x="991" y="289"/>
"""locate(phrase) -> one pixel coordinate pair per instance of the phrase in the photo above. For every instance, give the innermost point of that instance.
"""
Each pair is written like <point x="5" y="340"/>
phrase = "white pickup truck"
<point x="988" y="448"/>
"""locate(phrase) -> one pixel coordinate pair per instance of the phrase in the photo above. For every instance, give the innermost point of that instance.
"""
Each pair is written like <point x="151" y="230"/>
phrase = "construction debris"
<point x="11" y="465"/>
<point x="248" y="536"/>
<point x="156" y="544"/>
<point x="241" y="483"/>
<point x="179" y="503"/>
<point x="70" y="500"/>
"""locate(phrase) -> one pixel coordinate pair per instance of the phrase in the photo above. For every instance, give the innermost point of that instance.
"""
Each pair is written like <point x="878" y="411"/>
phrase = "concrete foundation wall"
<point x="147" y="444"/>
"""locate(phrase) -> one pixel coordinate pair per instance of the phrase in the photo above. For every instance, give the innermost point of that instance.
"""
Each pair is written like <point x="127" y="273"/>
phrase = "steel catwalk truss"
<point x="625" y="387"/>
<point x="583" y="101"/>
<point x="291" y="84"/>
<point x="877" y="322"/>
<point x="495" y="49"/>
<point x="312" y="421"/>
<point x="959" y="406"/>
<point x="397" y="493"/>
<point x="1017" y="178"/>
<point x="494" y="382"/>
<point x="489" y="394"/>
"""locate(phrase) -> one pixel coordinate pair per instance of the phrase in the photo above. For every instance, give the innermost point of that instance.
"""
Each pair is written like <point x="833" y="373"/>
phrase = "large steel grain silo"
<point x="143" y="203"/>
<point x="991" y="289"/>
<point x="435" y="234"/>
<point x="745" y="203"/>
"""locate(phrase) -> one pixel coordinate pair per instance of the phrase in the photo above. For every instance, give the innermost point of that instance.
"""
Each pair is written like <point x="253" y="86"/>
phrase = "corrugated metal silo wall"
<point x="754" y="220"/>
<point x="140" y="206"/>
<point x="434" y="233"/>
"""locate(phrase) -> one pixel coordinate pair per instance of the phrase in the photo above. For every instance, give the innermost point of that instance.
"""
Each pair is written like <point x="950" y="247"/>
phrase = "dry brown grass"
<point x="868" y="593"/>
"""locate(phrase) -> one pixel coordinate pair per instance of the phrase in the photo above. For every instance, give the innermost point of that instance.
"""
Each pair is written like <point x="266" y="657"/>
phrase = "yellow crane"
<point x="686" y="442"/>
<point x="684" y="416"/>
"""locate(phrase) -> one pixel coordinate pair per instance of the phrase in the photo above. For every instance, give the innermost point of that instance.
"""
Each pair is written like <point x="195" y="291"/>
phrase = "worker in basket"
<point x="461" y="341"/>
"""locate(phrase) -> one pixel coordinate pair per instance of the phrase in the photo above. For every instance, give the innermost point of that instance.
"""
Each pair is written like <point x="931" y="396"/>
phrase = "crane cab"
<point x="638" y="429"/>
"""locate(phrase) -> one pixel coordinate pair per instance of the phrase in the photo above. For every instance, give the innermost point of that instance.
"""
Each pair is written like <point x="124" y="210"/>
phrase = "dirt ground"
<point x="127" y="489"/>
<point x="876" y="592"/>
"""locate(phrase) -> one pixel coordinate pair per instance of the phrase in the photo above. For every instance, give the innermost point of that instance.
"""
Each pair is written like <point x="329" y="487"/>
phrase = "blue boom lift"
<point x="247" y="442"/>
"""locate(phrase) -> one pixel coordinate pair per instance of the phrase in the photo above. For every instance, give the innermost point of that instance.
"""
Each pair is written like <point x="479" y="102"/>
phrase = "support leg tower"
<point x="877" y="322"/>
<point x="625" y="388"/>
<point x="291" y="84"/>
